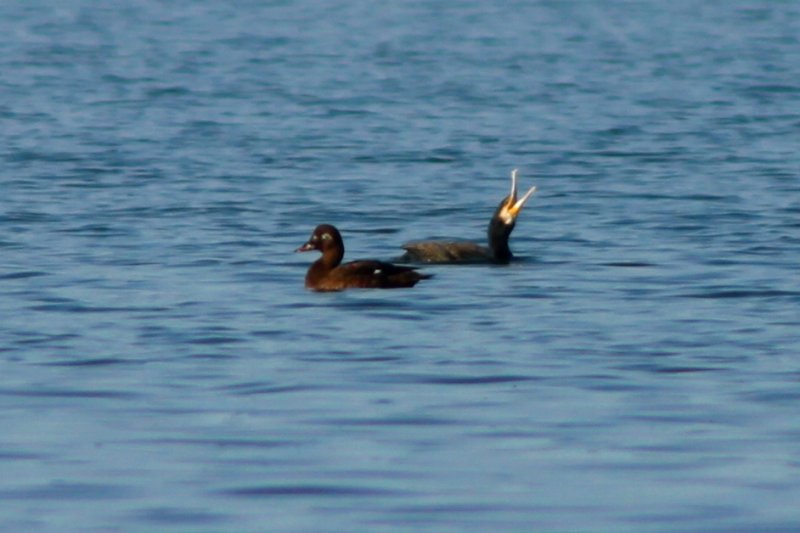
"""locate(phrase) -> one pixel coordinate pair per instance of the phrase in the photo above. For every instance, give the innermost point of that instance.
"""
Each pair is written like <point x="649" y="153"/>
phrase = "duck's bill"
<point x="517" y="205"/>
<point x="513" y="194"/>
<point x="514" y="205"/>
<point x="307" y="247"/>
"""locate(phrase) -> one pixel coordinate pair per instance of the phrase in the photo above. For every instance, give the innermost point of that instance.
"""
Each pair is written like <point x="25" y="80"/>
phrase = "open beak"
<point x="513" y="205"/>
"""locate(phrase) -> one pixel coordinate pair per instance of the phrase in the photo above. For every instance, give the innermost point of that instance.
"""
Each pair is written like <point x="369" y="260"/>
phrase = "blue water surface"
<point x="163" y="369"/>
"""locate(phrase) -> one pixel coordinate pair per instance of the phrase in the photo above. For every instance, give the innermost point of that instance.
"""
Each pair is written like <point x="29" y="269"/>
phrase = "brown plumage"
<point x="328" y="274"/>
<point x="500" y="227"/>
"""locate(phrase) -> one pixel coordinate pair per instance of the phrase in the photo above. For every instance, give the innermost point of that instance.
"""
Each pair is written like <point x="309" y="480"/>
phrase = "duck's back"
<point x="446" y="252"/>
<point x="368" y="274"/>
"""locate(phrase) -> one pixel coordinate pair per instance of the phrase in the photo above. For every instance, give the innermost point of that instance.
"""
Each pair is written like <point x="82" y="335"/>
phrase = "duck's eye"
<point x="326" y="236"/>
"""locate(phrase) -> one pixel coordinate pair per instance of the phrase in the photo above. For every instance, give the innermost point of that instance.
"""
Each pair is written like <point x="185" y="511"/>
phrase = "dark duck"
<point x="500" y="227"/>
<point x="329" y="274"/>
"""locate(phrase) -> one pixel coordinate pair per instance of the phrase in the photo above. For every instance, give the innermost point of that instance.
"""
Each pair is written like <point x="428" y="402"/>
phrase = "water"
<point x="164" y="369"/>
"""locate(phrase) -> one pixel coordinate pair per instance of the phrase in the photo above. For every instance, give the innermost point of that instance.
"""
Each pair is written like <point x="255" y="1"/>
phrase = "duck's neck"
<point x="498" y="241"/>
<point x="331" y="257"/>
<point x="321" y="267"/>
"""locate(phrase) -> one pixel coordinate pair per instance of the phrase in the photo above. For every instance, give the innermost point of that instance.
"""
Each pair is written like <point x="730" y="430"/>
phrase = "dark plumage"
<point x="328" y="274"/>
<point x="500" y="227"/>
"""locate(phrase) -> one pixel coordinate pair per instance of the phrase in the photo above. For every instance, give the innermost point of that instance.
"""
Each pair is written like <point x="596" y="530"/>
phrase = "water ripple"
<point x="23" y="274"/>
<point x="45" y="393"/>
<point x="743" y="293"/>
<point x="94" y="362"/>
<point x="235" y="443"/>
<point x="258" y="388"/>
<point x="74" y="307"/>
<point x="327" y="491"/>
<point x="62" y="491"/>
<point x="180" y="516"/>
<point x="457" y="380"/>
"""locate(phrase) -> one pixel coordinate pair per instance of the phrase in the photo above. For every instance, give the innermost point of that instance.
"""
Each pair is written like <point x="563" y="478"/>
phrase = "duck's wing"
<point x="372" y="274"/>
<point x="446" y="252"/>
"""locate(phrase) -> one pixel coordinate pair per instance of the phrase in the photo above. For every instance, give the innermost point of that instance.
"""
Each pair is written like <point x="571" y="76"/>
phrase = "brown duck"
<point x="329" y="274"/>
<point x="500" y="227"/>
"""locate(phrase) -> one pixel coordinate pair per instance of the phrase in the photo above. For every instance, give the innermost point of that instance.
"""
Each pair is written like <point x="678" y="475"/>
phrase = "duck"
<point x="328" y="273"/>
<point x="500" y="227"/>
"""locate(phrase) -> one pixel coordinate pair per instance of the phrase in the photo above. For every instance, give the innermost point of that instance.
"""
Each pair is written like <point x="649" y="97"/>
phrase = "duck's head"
<point x="510" y="208"/>
<point x="504" y="219"/>
<point x="324" y="237"/>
